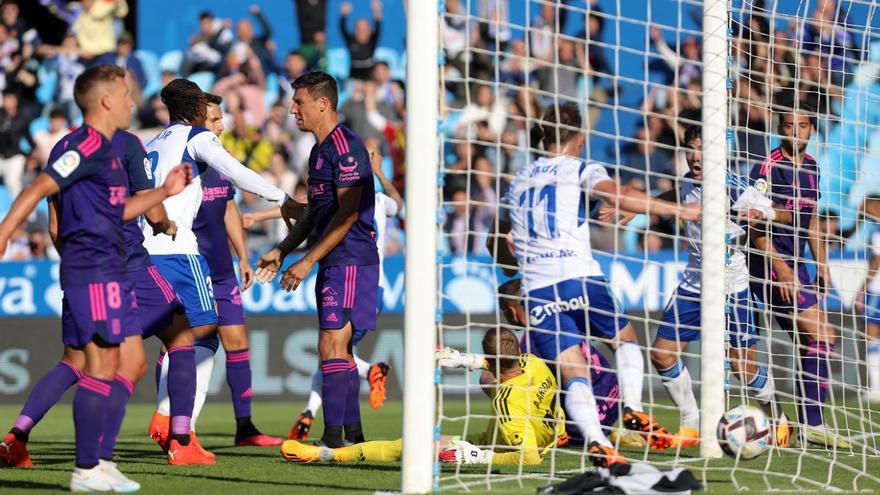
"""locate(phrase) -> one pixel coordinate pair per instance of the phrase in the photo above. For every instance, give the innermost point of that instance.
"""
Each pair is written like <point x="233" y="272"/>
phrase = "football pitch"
<point x="258" y="470"/>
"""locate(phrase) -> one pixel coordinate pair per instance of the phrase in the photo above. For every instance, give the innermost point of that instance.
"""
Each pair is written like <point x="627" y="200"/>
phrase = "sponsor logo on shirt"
<point x="349" y="168"/>
<point x="117" y="195"/>
<point x="148" y="168"/>
<point x="66" y="163"/>
<point x="316" y="189"/>
<point x="212" y="193"/>
<point x="540" y="313"/>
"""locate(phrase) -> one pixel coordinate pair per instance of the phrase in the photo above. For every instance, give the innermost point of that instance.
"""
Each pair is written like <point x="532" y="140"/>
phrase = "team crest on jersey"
<point x="761" y="186"/>
<point x="67" y="163"/>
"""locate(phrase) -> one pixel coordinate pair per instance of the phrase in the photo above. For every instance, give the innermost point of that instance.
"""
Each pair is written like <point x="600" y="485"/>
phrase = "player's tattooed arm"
<point x="179" y="177"/>
<point x="43" y="186"/>
<point x="235" y="231"/>
<point x="348" y="199"/>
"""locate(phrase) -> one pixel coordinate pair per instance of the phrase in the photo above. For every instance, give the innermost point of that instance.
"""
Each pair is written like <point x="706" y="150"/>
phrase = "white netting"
<point x="634" y="71"/>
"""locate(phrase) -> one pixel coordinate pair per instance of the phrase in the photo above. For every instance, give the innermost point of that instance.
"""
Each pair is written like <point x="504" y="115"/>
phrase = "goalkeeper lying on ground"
<point x="525" y="404"/>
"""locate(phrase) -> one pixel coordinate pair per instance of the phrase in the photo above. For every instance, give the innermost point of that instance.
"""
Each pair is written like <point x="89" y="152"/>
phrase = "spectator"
<point x="66" y="62"/>
<point x="496" y="30"/>
<point x="644" y="164"/>
<point x="92" y="21"/>
<point x="207" y="48"/>
<point x="248" y="44"/>
<point x="21" y="76"/>
<point x="544" y="31"/>
<point x="312" y="18"/>
<point x="485" y="106"/>
<point x="38" y="245"/>
<point x="279" y="175"/>
<point x="686" y="66"/>
<point x="294" y="66"/>
<point x="365" y="122"/>
<point x="561" y="78"/>
<point x="9" y="14"/>
<point x="362" y="43"/>
<point x="828" y="44"/>
<point x="19" y="248"/>
<point x="13" y="130"/>
<point x="9" y="45"/>
<point x="124" y="57"/>
<point x="248" y="81"/>
<point x="247" y="144"/>
<point x="46" y="139"/>
<point x="387" y="91"/>
<point x="153" y="113"/>
<point x="315" y="53"/>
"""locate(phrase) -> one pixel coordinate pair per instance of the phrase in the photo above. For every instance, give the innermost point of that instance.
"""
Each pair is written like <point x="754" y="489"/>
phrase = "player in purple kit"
<point x="92" y="205"/>
<point x="340" y="219"/>
<point x="157" y="306"/>
<point x="790" y="178"/>
<point x="217" y="224"/>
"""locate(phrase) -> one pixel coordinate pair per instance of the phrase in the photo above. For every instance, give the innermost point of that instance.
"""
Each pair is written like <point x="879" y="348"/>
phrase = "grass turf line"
<point x="263" y="470"/>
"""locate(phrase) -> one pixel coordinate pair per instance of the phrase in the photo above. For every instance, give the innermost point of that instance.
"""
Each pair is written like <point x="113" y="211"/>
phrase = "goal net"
<point x="640" y="74"/>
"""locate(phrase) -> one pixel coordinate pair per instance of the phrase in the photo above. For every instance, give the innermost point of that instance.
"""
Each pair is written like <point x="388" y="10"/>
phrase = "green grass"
<point x="255" y="470"/>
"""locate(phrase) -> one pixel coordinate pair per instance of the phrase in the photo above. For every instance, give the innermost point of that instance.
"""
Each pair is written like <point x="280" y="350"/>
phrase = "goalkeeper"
<point x="525" y="404"/>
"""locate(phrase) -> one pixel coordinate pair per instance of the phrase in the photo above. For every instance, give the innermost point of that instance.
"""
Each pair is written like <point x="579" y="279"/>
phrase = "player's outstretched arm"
<point x="348" y="199"/>
<point x="235" y="231"/>
<point x="249" y="219"/>
<point x="635" y="201"/>
<point x="43" y="186"/>
<point x="179" y="177"/>
<point x="270" y="263"/>
<point x="387" y="187"/>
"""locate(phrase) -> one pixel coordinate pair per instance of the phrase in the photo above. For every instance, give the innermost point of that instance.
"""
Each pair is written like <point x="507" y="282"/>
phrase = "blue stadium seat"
<point x="25" y="146"/>
<point x="171" y="61"/>
<point x="150" y="61"/>
<point x="272" y="89"/>
<point x="48" y="83"/>
<point x="39" y="124"/>
<point x="205" y="80"/>
<point x="338" y="63"/>
<point x="399" y="73"/>
<point x="6" y="199"/>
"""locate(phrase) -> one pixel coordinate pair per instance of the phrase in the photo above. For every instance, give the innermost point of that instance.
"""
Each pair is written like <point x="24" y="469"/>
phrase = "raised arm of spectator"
<point x="666" y="53"/>
<point x="60" y="10"/>
<point x="267" y="28"/>
<point x="344" y="11"/>
<point x="376" y="5"/>
<point x="387" y="187"/>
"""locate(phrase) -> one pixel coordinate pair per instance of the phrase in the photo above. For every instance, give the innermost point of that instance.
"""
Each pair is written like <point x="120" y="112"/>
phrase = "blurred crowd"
<point x="234" y="58"/>
<point x="498" y="78"/>
<point x="492" y="101"/>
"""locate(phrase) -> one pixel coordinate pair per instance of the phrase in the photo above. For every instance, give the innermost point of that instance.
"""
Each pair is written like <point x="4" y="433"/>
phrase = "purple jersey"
<point x="130" y="150"/>
<point x="209" y="224"/>
<point x="90" y="205"/>
<point x="796" y="189"/>
<point x="342" y="161"/>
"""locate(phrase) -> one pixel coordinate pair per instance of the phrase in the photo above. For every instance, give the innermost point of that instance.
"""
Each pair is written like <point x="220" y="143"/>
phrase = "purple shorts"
<point x="156" y="301"/>
<point x="105" y="310"/>
<point x="347" y="293"/>
<point x="228" y="297"/>
<point x="807" y="297"/>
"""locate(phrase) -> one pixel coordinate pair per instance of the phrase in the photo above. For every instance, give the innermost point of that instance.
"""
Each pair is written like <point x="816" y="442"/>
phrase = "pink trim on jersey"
<point x="771" y="160"/>
<point x="95" y="385"/>
<point x="125" y="383"/>
<point x="339" y="141"/>
<point x="350" y="283"/>
<point x="78" y="373"/>
<point x="91" y="143"/>
<point x="812" y="182"/>
<point x="809" y="156"/>
<point x="96" y="298"/>
<point x="162" y="283"/>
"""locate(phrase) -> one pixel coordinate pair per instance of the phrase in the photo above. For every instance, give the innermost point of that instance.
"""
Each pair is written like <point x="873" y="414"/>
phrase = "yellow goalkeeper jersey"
<point x="527" y="413"/>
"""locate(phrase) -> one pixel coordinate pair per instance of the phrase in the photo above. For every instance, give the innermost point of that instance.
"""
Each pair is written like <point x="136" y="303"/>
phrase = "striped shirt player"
<point x="98" y="296"/>
<point x="180" y="260"/>
<point x="551" y="236"/>
<point x="796" y="188"/>
<point x="347" y="289"/>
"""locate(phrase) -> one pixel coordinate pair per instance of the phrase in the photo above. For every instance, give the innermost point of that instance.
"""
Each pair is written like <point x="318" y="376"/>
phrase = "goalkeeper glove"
<point x="461" y="452"/>
<point x="448" y="357"/>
